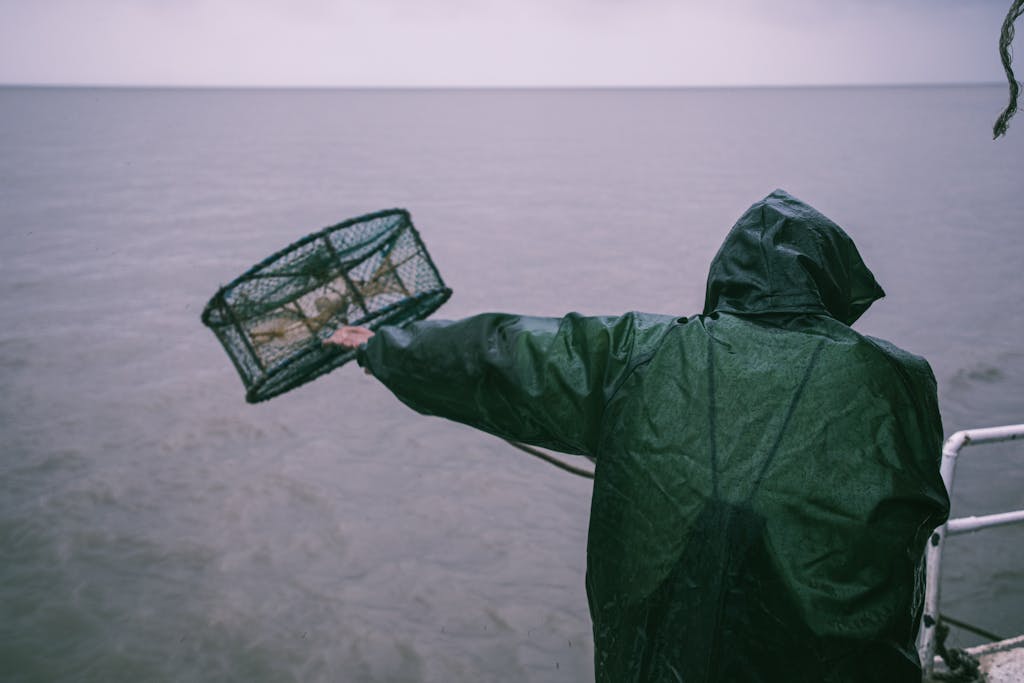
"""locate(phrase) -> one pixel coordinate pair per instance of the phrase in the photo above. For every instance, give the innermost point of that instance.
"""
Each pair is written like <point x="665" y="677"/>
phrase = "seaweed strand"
<point x="1005" y="39"/>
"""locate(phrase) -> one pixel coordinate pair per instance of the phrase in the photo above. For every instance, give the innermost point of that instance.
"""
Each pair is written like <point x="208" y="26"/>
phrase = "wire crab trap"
<point x="273" y="319"/>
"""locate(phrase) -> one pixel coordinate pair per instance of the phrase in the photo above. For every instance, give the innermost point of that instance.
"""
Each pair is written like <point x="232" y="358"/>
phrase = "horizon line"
<point x="751" y="86"/>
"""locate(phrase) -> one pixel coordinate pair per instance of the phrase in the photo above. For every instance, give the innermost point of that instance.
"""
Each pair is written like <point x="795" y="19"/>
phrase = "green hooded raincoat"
<point x="766" y="477"/>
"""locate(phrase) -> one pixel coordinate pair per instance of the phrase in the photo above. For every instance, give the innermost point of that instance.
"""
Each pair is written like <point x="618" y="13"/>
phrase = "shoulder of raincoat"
<point x="766" y="476"/>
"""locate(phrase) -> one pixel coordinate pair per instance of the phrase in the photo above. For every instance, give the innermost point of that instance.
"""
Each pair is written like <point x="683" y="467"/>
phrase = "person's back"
<point x="759" y="493"/>
<point x="766" y="477"/>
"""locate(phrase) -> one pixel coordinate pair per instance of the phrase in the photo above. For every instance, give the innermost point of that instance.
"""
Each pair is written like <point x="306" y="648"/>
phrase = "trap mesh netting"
<point x="272" y="320"/>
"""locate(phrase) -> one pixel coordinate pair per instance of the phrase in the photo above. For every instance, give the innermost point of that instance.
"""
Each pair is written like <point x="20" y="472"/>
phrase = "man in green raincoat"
<point x="766" y="477"/>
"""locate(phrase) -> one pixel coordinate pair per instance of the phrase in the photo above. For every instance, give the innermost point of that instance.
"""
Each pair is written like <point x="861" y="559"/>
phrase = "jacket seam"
<point x="636" y="365"/>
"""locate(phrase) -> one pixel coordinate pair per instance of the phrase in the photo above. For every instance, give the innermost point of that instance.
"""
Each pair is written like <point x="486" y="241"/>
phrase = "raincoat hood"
<point x="783" y="256"/>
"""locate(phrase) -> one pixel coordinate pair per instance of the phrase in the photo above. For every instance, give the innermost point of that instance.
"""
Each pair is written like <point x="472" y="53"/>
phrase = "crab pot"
<point x="272" y="320"/>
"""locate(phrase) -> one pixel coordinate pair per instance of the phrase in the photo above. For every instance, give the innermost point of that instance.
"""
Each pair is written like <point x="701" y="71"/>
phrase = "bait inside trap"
<point x="272" y="320"/>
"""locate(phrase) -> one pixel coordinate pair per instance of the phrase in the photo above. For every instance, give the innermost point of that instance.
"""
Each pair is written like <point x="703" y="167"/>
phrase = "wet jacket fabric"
<point x="766" y="476"/>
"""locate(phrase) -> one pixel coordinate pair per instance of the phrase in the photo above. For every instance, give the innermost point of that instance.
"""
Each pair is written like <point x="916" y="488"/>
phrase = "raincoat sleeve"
<point x="919" y="381"/>
<point x="543" y="381"/>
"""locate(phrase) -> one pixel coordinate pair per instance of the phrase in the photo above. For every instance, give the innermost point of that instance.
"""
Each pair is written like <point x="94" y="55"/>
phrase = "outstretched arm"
<point x="543" y="381"/>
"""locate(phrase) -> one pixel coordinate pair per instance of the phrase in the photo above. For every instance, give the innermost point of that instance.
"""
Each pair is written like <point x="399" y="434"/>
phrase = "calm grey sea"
<point x="155" y="527"/>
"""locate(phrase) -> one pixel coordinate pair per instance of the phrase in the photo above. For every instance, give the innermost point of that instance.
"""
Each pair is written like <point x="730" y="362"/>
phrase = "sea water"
<point x="155" y="527"/>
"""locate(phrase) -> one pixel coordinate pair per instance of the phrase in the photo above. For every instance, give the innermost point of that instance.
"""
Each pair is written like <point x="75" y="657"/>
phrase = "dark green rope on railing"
<point x="1005" y="39"/>
<point x="976" y="630"/>
<point x="963" y="667"/>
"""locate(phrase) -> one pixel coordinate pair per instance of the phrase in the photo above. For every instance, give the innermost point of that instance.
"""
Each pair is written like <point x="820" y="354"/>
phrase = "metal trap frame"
<point x="272" y="320"/>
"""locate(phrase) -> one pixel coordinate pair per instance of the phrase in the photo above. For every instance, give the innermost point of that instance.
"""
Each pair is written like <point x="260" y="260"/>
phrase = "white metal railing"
<point x="933" y="555"/>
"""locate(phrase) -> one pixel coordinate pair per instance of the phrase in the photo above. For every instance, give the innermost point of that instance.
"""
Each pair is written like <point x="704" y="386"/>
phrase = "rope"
<point x="1005" y="38"/>
<point x="963" y="668"/>
<point x="578" y="471"/>
<point x="973" y="629"/>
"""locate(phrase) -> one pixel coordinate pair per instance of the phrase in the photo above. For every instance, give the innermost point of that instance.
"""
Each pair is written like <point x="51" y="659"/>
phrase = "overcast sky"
<point x="499" y="42"/>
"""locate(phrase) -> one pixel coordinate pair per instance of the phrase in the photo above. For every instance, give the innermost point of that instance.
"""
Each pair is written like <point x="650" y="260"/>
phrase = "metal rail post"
<point x="933" y="555"/>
